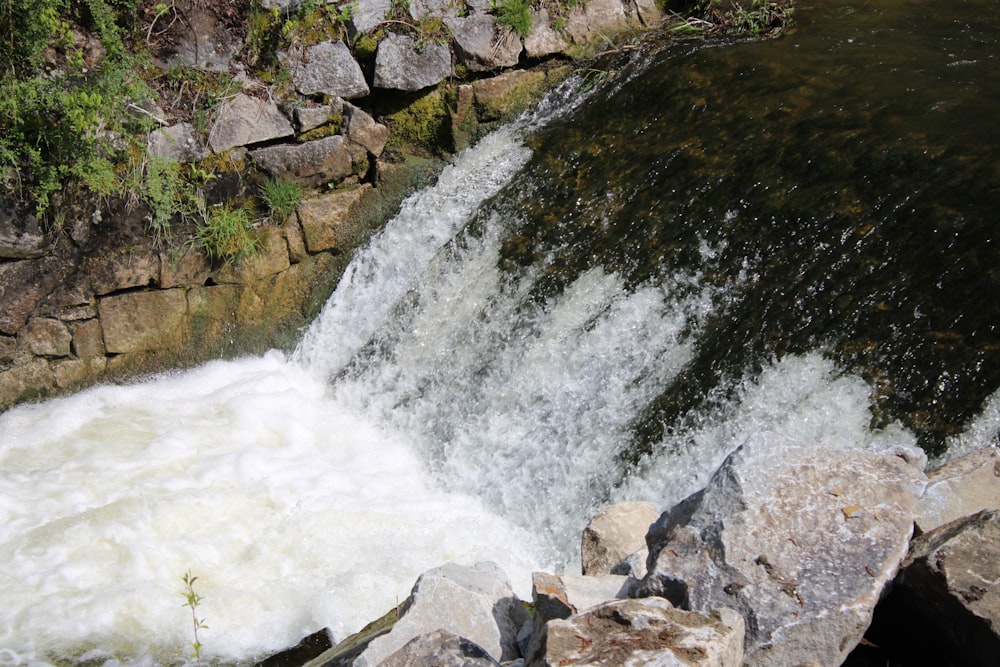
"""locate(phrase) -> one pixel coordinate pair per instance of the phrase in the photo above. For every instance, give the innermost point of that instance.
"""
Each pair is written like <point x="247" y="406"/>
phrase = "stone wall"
<point x="92" y="295"/>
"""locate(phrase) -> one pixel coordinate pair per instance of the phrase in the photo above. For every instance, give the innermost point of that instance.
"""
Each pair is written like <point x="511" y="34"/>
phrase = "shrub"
<point x="514" y="14"/>
<point x="226" y="233"/>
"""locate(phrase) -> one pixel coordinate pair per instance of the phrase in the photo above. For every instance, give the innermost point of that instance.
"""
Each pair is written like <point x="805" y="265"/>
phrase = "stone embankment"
<point x="782" y="559"/>
<point x="93" y="295"/>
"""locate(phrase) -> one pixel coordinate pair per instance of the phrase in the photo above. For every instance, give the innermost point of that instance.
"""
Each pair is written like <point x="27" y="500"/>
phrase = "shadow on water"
<point x="841" y="184"/>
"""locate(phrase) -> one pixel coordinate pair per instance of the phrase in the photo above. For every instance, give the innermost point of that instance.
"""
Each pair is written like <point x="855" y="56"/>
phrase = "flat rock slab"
<point x="614" y="535"/>
<point x="327" y="68"/>
<point x="959" y="488"/>
<point x="401" y="65"/>
<point x="245" y="120"/>
<point x="641" y="633"/>
<point x="313" y="163"/>
<point x="785" y="532"/>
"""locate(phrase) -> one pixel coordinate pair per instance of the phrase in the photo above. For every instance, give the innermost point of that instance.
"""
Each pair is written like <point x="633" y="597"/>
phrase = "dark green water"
<point x="842" y="183"/>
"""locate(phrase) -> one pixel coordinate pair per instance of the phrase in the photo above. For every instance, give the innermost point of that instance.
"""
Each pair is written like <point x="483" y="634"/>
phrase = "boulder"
<point x="480" y="46"/>
<point x="436" y="8"/>
<point x="801" y="539"/>
<point x="313" y="163"/>
<point x="24" y="284"/>
<point x="88" y="339"/>
<point x="401" y="65"/>
<point x="559" y="596"/>
<point x="648" y="631"/>
<point x="114" y="271"/>
<point x="310" y="647"/>
<point x="245" y="120"/>
<point x="614" y="541"/>
<point x="959" y="488"/>
<point x="440" y="649"/>
<point x="205" y="44"/>
<point x="948" y="589"/>
<point x="326" y="68"/>
<point x="507" y="93"/>
<point x="473" y="602"/>
<point x="177" y="142"/>
<point x="588" y="21"/>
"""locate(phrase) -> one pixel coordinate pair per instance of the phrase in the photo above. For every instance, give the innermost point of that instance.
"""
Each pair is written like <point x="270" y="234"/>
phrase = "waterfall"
<point x="471" y="391"/>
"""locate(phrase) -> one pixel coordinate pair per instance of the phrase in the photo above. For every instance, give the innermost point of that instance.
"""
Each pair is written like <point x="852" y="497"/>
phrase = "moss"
<point x="420" y="125"/>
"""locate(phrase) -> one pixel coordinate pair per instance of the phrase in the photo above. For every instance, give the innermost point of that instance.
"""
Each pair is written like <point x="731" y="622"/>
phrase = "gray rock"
<point x="364" y="131"/>
<point x="614" y="535"/>
<point x="204" y="45"/>
<point x="786" y="532"/>
<point x="177" y="142"/>
<point x="637" y="633"/>
<point x="327" y="68"/>
<point x="309" y="118"/>
<point x="245" y="120"/>
<point x="543" y="40"/>
<point x="648" y="14"/>
<point x="21" y="235"/>
<point x="325" y="160"/>
<point x="400" y="65"/>
<point x="588" y="21"/>
<point x="480" y="46"/>
<point x="475" y="602"/>
<point x="440" y="649"/>
<point x="24" y="284"/>
<point x="368" y="14"/>
<point x="959" y="488"/>
<point x="436" y="8"/>
<point x="949" y="586"/>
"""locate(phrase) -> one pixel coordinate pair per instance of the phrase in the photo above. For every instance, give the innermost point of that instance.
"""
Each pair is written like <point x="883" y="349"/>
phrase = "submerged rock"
<point x="800" y="539"/>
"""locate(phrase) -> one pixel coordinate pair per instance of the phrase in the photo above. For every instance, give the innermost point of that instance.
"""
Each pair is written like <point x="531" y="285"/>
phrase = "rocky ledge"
<point x="92" y="294"/>
<point x="784" y="558"/>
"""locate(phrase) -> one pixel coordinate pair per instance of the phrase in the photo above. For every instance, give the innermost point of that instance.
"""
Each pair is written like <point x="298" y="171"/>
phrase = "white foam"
<point x="294" y="513"/>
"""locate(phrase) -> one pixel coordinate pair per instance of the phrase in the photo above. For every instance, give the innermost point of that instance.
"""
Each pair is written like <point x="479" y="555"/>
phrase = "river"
<point x="596" y="303"/>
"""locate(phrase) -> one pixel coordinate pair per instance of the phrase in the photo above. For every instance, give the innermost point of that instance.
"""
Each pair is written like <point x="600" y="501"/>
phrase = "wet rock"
<point x="960" y="488"/>
<point x="647" y="631"/>
<point x="126" y="269"/>
<point x="327" y="68"/>
<point x="474" y="602"/>
<point x="88" y="339"/>
<point x="271" y="258"/>
<point x="245" y="120"/>
<point x="948" y="589"/>
<point x="177" y="142"/>
<point x="25" y="284"/>
<point x="614" y="541"/>
<point x="786" y="532"/>
<point x="400" y="65"/>
<point x="480" y="46"/>
<point x="138" y="321"/>
<point x="186" y="266"/>
<point x="325" y="220"/>
<point x="310" y="647"/>
<point x="440" y="649"/>
<point x="507" y="93"/>
<point x="313" y="163"/>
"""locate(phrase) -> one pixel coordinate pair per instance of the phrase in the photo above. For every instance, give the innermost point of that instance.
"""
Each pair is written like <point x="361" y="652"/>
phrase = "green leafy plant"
<point x="281" y="197"/>
<point x="192" y="600"/>
<point x="226" y="233"/>
<point x="166" y="193"/>
<point x="514" y="14"/>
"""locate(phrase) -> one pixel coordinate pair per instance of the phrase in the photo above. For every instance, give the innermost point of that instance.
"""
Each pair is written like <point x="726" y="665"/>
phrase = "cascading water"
<point x="593" y="304"/>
